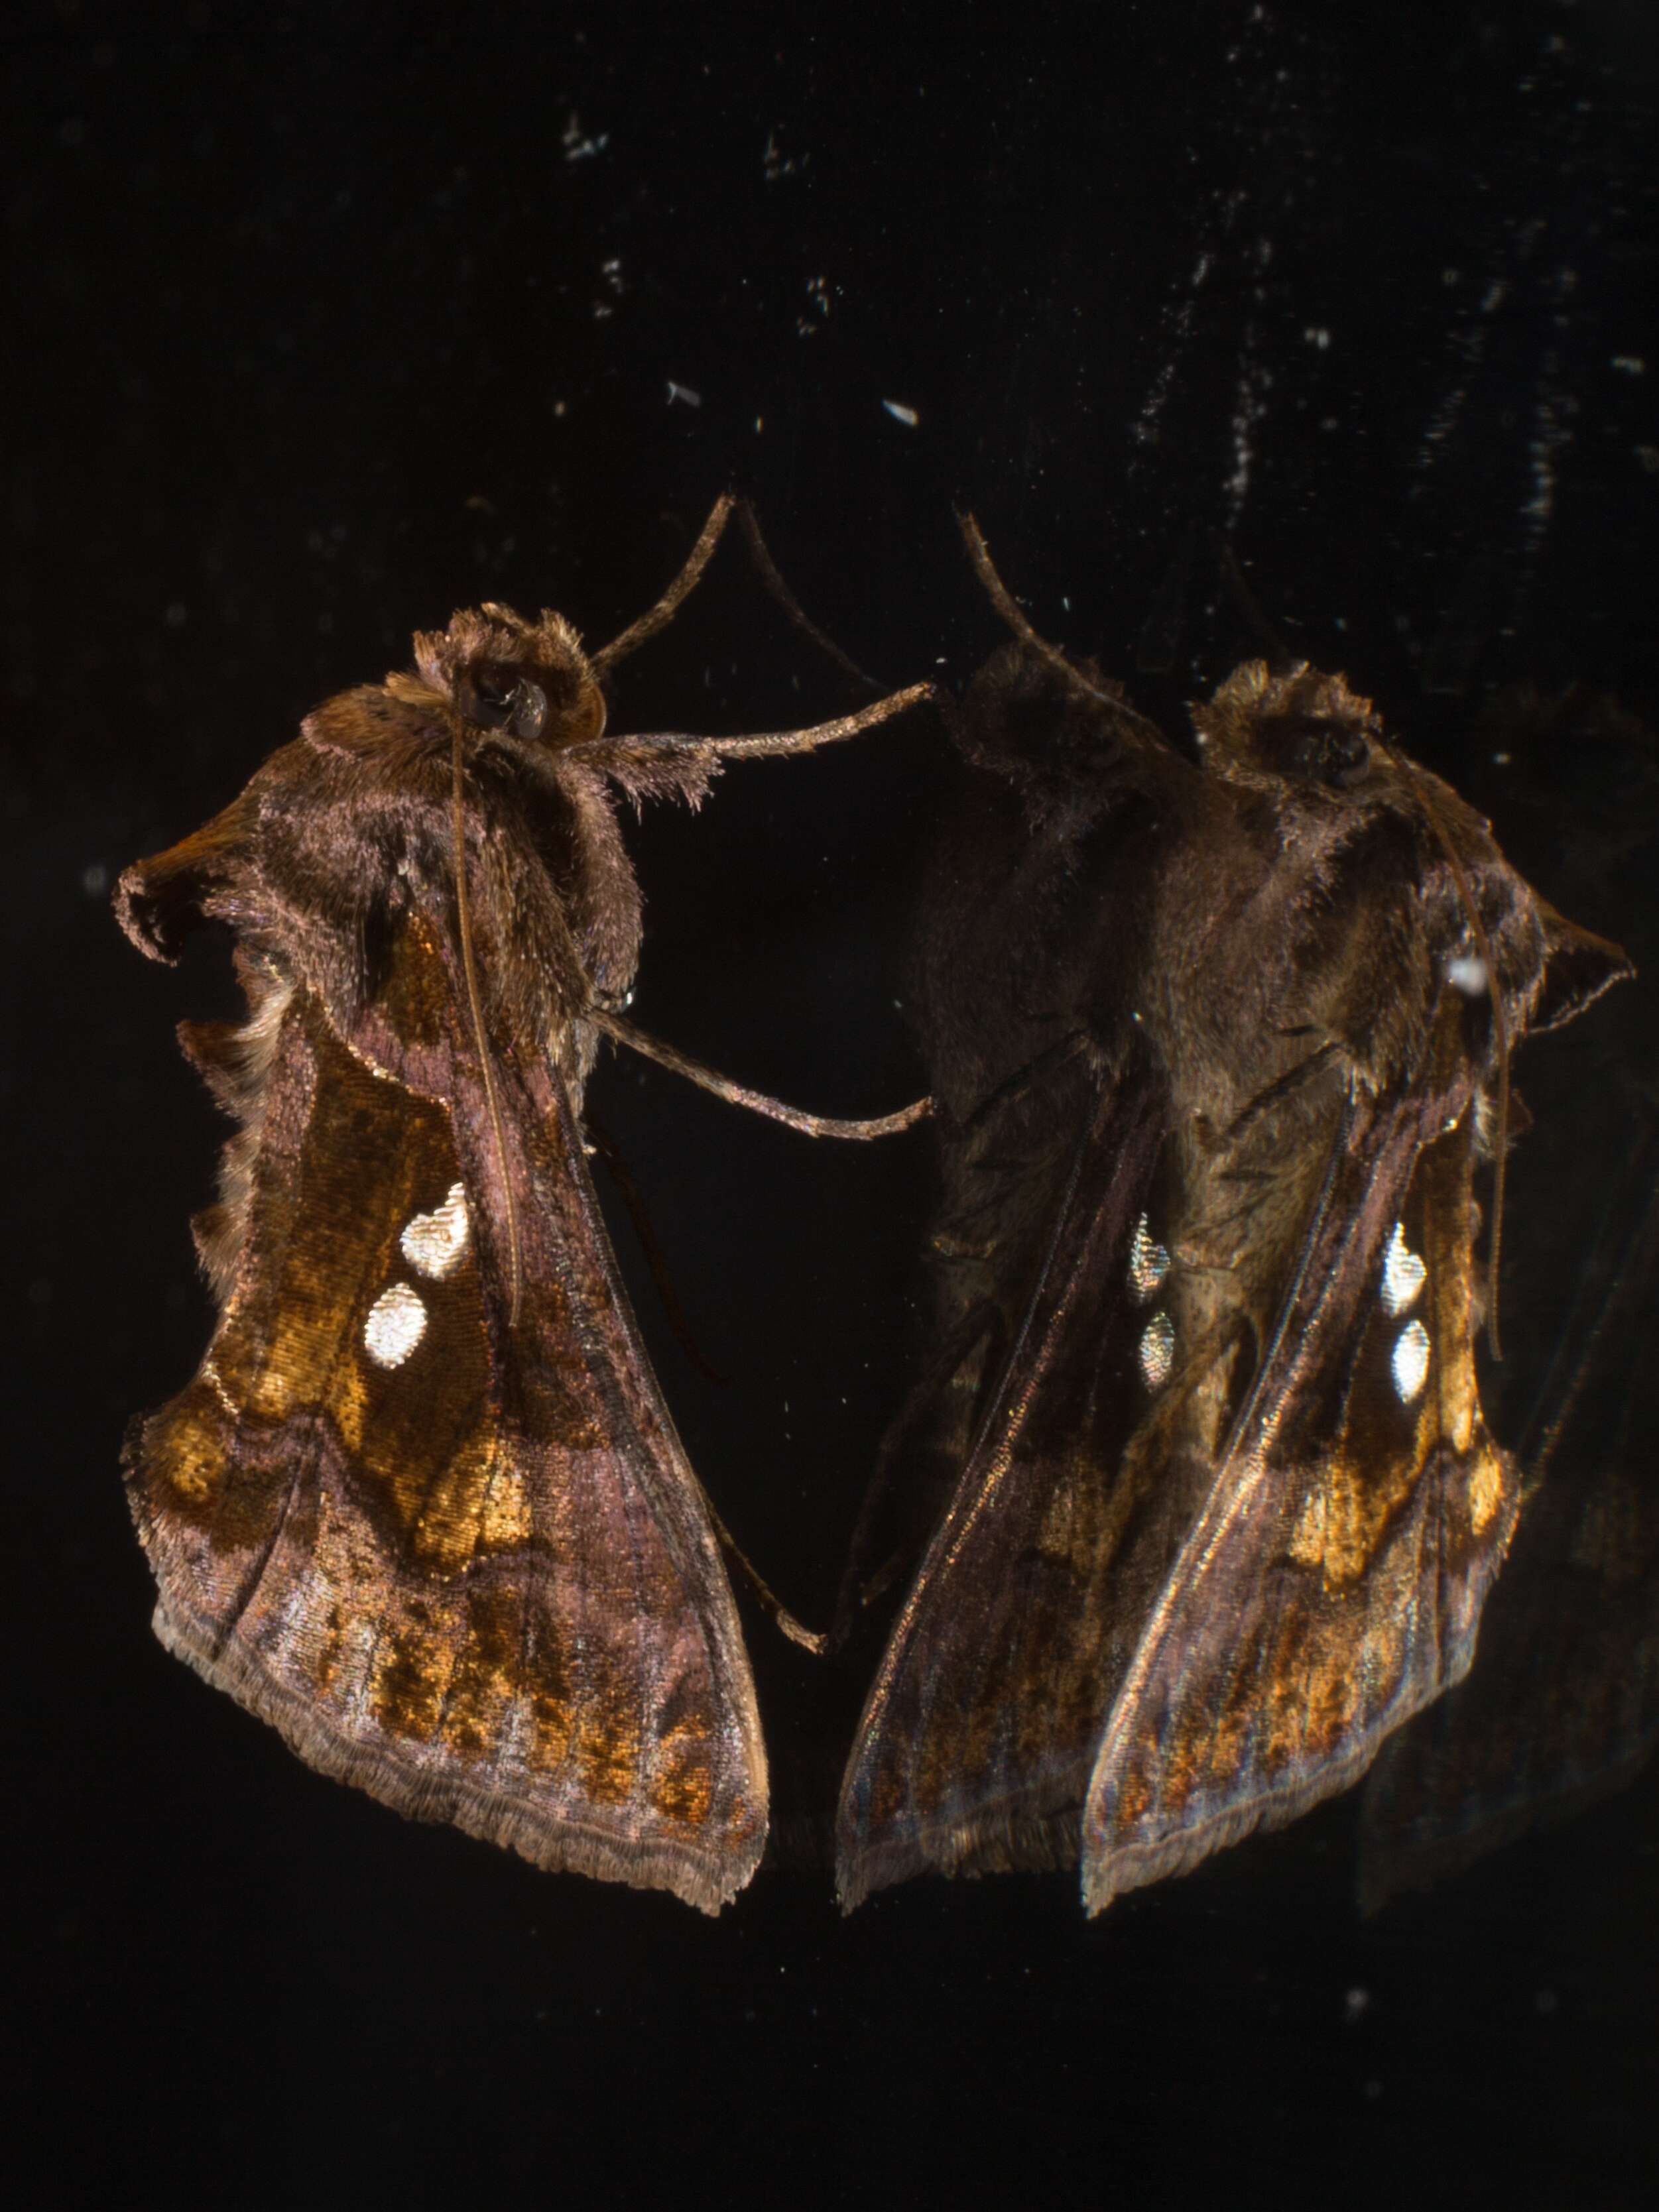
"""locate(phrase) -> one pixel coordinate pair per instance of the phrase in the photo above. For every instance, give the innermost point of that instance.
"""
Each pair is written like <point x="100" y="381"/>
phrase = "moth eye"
<point x="1411" y="1361"/>
<point x="1320" y="751"/>
<point x="434" y="1244"/>
<point x="396" y="1324"/>
<point x="1403" y="1275"/>
<point x="1156" y="1351"/>
<point x="1149" y="1263"/>
<point x="499" y="698"/>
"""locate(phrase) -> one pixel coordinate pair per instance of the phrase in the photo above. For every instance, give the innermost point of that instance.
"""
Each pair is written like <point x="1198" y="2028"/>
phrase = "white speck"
<point x="1403" y="1276"/>
<point x="1630" y="364"/>
<point x="1411" y="1361"/>
<point x="1495" y="293"/>
<point x="396" y="1324"/>
<point x="1316" y="334"/>
<point x="1467" y="973"/>
<point x="1502" y="760"/>
<point x="1357" y="2002"/>
<point x="900" y="413"/>
<point x="1149" y="1263"/>
<point x="1156" y="1351"/>
<point x="683" y="391"/>
<point x="434" y="1244"/>
<point x="759" y="424"/>
<point x="578" y="144"/>
<point x="94" y="879"/>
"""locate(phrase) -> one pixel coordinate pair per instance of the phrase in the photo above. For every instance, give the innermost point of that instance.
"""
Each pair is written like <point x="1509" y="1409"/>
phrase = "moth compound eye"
<point x="497" y="698"/>
<point x="1317" y="751"/>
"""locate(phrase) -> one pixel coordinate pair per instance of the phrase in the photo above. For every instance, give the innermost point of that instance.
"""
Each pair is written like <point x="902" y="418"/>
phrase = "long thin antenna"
<point x="1014" y="615"/>
<point x="771" y="576"/>
<point x="660" y="615"/>
<point x="480" y="1038"/>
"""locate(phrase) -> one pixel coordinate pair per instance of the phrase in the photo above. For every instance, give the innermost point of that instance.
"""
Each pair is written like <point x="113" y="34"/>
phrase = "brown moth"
<point x="423" y="1507"/>
<point x="1214" y="1043"/>
<point x="1561" y="1707"/>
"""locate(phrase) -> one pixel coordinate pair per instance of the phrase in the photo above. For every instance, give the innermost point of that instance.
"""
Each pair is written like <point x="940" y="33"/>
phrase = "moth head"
<point x="1301" y="728"/>
<point x="530" y="680"/>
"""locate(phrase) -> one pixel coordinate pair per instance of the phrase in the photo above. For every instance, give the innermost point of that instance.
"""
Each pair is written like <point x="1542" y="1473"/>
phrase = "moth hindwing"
<point x="1213" y="1047"/>
<point x="423" y="1507"/>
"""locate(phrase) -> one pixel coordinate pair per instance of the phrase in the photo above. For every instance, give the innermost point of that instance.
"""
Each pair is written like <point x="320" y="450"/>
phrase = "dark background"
<point x="323" y="321"/>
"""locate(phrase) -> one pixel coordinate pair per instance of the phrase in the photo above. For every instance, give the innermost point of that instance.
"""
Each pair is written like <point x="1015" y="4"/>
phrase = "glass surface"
<point x="326" y="322"/>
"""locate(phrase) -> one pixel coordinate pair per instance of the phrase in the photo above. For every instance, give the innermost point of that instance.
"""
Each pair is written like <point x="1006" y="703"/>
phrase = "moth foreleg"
<point x="758" y="1101"/>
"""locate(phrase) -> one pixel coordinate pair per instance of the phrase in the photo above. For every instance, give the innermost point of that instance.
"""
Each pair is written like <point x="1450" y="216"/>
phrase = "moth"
<point x="1561" y="1707"/>
<point x="1216" y="1043"/>
<point x="423" y="1507"/>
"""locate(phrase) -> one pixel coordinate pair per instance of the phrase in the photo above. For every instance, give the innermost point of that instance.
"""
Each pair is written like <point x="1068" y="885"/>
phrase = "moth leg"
<point x="758" y="1101"/>
<point x="660" y="615"/>
<point x="1283" y="1087"/>
<point x="1074" y="1045"/>
<point x="980" y="1325"/>
<point x="818" y="733"/>
<point x="773" y="1606"/>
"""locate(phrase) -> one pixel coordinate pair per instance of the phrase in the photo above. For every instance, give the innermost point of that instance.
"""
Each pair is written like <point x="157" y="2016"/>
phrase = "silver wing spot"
<point x="1156" y="1351"/>
<point x="436" y="1243"/>
<point x="396" y="1324"/>
<point x="1403" y="1276"/>
<point x="1411" y="1361"/>
<point x="1149" y="1263"/>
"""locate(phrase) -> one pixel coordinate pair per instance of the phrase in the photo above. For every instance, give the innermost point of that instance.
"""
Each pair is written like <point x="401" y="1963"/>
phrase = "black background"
<point x="322" y="321"/>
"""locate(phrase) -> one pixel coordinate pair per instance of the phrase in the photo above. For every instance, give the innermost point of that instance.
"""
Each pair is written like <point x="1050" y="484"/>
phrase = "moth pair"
<point x="1210" y="1046"/>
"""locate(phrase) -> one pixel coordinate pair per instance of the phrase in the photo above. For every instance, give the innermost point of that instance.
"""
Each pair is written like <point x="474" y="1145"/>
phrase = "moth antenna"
<point x="1008" y="607"/>
<point x="1483" y="945"/>
<point x="771" y="577"/>
<point x="1238" y="584"/>
<point x="660" y="615"/>
<point x="1014" y="615"/>
<point x="480" y="1036"/>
